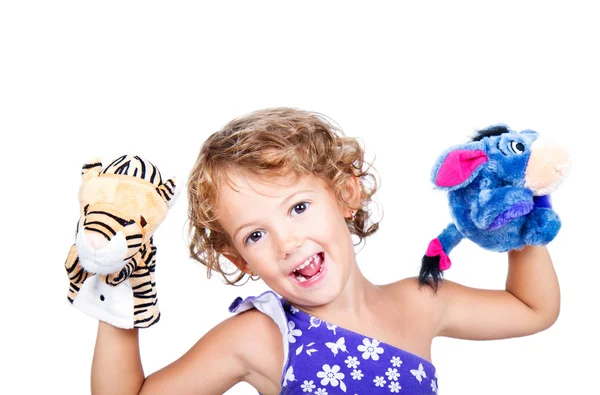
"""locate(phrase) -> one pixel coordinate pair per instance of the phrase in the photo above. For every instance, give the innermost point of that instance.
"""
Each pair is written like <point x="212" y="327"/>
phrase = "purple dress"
<point x="323" y="359"/>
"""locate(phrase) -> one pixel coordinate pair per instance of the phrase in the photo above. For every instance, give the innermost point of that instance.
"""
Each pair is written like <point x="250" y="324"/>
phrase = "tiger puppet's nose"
<point x="548" y="166"/>
<point x="94" y="240"/>
<point x="109" y="258"/>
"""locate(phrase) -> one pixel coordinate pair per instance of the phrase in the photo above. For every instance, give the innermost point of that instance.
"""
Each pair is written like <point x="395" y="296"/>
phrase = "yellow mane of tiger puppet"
<point x="111" y="265"/>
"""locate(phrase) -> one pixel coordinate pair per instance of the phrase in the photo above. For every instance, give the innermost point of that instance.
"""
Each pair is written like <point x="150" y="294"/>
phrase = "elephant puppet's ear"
<point x="457" y="167"/>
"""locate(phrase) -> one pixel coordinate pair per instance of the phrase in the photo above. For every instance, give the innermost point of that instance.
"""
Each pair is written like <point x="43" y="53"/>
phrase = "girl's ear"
<point x="351" y="196"/>
<point x="238" y="261"/>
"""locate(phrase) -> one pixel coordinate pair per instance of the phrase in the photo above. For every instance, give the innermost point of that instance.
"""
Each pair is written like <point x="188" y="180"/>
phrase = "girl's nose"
<point x="289" y="243"/>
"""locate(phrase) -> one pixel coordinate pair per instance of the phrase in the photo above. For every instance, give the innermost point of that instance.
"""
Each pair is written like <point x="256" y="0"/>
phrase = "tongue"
<point x="313" y="268"/>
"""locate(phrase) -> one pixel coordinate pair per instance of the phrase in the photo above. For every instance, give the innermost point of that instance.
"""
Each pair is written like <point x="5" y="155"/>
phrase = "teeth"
<point x="300" y="278"/>
<point x="306" y="263"/>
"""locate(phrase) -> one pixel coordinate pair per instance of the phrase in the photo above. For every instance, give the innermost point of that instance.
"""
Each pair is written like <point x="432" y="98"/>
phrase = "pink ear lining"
<point x="458" y="167"/>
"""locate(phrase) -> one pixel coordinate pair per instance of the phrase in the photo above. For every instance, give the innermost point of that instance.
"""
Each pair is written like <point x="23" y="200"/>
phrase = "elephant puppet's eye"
<point x="517" y="147"/>
<point x="143" y="221"/>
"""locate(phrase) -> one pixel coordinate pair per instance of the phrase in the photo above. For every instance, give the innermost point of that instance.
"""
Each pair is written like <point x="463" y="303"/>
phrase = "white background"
<point x="84" y="79"/>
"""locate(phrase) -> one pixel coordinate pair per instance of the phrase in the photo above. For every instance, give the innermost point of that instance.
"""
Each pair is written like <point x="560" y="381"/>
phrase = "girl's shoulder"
<point x="245" y="347"/>
<point x="256" y="340"/>
<point x="261" y="327"/>
<point x="412" y="299"/>
<point x="409" y="288"/>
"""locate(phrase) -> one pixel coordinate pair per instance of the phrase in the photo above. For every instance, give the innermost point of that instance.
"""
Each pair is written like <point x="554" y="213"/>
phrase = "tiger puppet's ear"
<point x="111" y="266"/>
<point x="91" y="168"/>
<point x="169" y="191"/>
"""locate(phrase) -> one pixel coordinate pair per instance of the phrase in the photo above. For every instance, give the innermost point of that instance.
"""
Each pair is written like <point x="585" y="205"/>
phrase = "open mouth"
<point x="310" y="269"/>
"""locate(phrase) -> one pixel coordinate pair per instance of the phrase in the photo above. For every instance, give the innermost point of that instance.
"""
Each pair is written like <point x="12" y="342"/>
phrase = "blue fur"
<point x="492" y="207"/>
<point x="450" y="237"/>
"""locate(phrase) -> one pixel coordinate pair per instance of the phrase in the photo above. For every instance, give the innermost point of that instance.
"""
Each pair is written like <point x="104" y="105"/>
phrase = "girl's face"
<point x="292" y="233"/>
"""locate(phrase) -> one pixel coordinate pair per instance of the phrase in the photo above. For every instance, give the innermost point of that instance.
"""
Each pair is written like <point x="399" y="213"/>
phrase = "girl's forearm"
<point x="116" y="366"/>
<point x="532" y="279"/>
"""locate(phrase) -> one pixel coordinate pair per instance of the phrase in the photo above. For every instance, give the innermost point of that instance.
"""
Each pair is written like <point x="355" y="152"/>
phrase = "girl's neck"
<point x="355" y="299"/>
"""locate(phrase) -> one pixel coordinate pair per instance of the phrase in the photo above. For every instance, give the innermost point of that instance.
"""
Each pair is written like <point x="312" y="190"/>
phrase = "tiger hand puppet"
<point x="111" y="265"/>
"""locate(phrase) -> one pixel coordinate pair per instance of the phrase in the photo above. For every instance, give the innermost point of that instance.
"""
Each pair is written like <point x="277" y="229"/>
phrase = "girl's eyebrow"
<point x="242" y="227"/>
<point x="283" y="203"/>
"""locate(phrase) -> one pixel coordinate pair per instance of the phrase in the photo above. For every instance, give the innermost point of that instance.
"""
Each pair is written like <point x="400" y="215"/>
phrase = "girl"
<point x="280" y="193"/>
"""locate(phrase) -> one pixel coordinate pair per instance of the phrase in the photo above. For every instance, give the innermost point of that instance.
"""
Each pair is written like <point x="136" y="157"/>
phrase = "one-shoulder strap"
<point x="268" y="303"/>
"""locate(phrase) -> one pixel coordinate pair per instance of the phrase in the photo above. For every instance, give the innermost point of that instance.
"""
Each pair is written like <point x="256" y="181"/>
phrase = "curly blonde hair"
<point x="266" y="143"/>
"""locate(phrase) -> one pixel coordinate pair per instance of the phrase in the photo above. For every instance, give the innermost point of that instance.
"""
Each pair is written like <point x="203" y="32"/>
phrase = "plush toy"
<point x="499" y="187"/>
<point x="111" y="265"/>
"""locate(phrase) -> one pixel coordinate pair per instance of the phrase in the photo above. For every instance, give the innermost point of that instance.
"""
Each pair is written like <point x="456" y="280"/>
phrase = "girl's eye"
<point x="254" y="237"/>
<point x="299" y="208"/>
<point x="517" y="147"/>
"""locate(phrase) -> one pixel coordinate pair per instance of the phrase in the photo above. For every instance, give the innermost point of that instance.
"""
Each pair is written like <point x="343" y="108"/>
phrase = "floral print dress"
<point x="323" y="359"/>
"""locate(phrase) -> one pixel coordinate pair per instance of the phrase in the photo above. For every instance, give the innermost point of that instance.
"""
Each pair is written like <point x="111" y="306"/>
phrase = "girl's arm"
<point x="529" y="304"/>
<point x="246" y="347"/>
<point x="116" y="367"/>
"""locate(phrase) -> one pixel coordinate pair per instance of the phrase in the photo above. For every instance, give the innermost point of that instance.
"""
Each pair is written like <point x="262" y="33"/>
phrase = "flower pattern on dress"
<point x="379" y="381"/>
<point x="392" y="374"/>
<point x="357" y="374"/>
<point x="370" y="349"/>
<point x="293" y="332"/>
<point x="326" y="359"/>
<point x="396" y="362"/>
<point x="308" y="386"/>
<point x="352" y="362"/>
<point x="330" y="375"/>
<point x="433" y="386"/>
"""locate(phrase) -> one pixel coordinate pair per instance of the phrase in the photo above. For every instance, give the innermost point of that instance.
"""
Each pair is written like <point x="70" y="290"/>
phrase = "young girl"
<point x="279" y="193"/>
